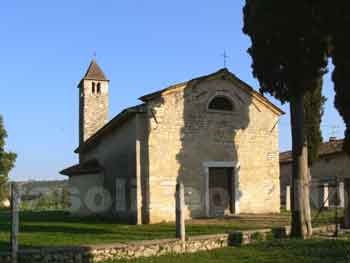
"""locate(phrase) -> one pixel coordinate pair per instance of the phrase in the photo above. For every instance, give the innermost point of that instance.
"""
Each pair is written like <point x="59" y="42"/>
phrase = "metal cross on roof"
<point x="225" y="56"/>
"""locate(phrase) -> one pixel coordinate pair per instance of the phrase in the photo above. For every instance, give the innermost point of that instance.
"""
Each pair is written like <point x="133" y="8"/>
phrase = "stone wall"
<point x="184" y="134"/>
<point x="93" y="108"/>
<point x="117" y="154"/>
<point x="101" y="253"/>
<point x="81" y="189"/>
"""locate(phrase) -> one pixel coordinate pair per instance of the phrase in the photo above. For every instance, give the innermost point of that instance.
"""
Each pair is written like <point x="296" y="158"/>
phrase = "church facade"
<point x="214" y="133"/>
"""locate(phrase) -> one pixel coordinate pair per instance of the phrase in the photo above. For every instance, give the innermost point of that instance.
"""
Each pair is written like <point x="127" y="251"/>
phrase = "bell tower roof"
<point x="94" y="72"/>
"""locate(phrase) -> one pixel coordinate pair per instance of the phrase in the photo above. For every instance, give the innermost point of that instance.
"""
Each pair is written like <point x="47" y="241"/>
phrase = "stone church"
<point x="214" y="133"/>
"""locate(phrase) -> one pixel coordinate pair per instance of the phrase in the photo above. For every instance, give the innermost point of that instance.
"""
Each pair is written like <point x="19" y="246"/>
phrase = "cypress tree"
<point x="339" y="22"/>
<point x="314" y="109"/>
<point x="289" y="52"/>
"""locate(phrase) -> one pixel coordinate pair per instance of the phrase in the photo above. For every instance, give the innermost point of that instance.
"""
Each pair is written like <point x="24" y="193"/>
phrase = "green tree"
<point x="56" y="198"/>
<point x="7" y="160"/>
<point x="339" y="22"/>
<point x="289" y="51"/>
<point x="314" y="109"/>
<point x="65" y="197"/>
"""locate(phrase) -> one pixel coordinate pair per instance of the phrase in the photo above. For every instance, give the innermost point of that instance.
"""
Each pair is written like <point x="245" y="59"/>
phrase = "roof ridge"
<point x="241" y="83"/>
<point x="151" y="94"/>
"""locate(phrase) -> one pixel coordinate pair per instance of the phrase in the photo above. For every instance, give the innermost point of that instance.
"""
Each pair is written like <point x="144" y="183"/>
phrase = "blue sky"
<point x="141" y="45"/>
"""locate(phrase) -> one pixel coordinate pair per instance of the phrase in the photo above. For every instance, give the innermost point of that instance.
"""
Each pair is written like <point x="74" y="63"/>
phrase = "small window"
<point x="98" y="88"/>
<point x="93" y="87"/>
<point x="221" y="103"/>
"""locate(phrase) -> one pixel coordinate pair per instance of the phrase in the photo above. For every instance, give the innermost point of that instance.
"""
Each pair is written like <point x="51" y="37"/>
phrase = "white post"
<point x="288" y="198"/>
<point x="180" y="217"/>
<point x="138" y="184"/>
<point x="237" y="188"/>
<point x="15" y="222"/>
<point x="341" y="194"/>
<point x="206" y="192"/>
<point x="347" y="203"/>
<point x="325" y="196"/>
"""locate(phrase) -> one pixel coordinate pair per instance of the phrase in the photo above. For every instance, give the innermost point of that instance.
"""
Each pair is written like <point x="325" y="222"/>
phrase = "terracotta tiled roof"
<point x="328" y="148"/>
<point x="94" y="72"/>
<point x="88" y="167"/>
<point x="286" y="157"/>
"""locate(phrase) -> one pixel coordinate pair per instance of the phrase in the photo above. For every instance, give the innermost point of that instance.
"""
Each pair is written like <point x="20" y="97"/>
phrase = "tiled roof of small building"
<point x="89" y="167"/>
<point x="333" y="146"/>
<point x="94" y="72"/>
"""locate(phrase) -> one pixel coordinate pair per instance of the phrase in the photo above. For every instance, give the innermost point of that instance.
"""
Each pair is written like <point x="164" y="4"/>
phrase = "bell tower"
<point x="93" y="101"/>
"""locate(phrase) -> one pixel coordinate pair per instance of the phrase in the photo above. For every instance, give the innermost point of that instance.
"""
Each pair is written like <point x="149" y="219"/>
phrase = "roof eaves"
<point x="69" y="173"/>
<point x="89" y="167"/>
<point x="115" y="122"/>
<point x="152" y="95"/>
<point x="256" y="94"/>
<point x="96" y="79"/>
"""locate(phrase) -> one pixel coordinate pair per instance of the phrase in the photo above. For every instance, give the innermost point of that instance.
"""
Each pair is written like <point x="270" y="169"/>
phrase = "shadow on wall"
<point x="143" y="138"/>
<point x="211" y="135"/>
<point x="152" y="125"/>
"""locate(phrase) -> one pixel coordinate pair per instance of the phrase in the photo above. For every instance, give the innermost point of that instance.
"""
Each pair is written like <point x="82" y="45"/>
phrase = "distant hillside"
<point x="44" y="194"/>
<point x="41" y="186"/>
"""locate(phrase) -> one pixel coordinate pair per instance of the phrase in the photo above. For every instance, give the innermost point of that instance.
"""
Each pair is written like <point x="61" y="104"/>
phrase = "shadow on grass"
<point x="55" y="217"/>
<point x="286" y="251"/>
<point x="61" y="229"/>
<point x="4" y="246"/>
<point x="314" y="249"/>
<point x="57" y="228"/>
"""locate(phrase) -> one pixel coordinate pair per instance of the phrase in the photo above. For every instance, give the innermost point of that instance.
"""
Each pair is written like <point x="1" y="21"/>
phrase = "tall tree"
<point x="289" y="53"/>
<point x="7" y="160"/>
<point x="338" y="23"/>
<point x="314" y="109"/>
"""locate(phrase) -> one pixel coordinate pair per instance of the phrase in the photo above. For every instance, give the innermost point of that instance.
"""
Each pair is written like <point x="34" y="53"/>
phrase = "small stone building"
<point x="327" y="175"/>
<point x="215" y="134"/>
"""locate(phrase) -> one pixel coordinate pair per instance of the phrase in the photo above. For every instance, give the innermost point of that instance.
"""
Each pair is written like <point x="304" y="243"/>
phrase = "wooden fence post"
<point x="15" y="222"/>
<point x="180" y="217"/>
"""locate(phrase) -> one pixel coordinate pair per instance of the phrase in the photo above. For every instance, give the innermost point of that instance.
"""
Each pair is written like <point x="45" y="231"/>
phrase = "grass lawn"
<point x="286" y="251"/>
<point x="42" y="229"/>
